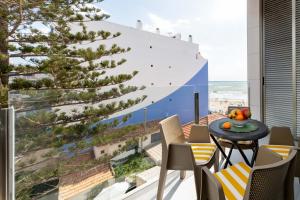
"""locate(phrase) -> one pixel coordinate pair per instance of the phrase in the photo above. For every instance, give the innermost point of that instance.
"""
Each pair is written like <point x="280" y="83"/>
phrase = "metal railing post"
<point x="196" y="108"/>
<point x="6" y="153"/>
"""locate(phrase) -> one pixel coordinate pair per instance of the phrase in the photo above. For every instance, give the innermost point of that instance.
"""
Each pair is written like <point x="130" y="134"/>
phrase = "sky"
<point x="218" y="26"/>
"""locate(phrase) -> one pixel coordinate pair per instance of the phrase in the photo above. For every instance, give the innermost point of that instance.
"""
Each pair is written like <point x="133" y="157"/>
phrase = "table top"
<point x="261" y="132"/>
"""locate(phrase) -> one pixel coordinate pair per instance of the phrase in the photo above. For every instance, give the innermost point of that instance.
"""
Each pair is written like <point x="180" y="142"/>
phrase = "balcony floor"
<point x="177" y="189"/>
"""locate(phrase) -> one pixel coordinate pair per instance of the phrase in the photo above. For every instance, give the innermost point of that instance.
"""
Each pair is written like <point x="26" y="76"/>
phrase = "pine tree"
<point x="38" y="34"/>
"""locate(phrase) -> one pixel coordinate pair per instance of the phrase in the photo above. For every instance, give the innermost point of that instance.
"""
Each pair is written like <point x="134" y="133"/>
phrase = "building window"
<point x="119" y="145"/>
<point x="102" y="151"/>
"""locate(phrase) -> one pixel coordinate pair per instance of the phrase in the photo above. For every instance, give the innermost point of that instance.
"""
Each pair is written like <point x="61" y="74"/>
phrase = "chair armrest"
<point x="296" y="148"/>
<point x="266" y="156"/>
<point x="211" y="188"/>
<point x="180" y="157"/>
<point x="297" y="171"/>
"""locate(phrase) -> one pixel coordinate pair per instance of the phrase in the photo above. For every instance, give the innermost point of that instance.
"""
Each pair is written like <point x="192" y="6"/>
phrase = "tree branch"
<point x="99" y="117"/>
<point x="50" y="41"/>
<point x="95" y="100"/>
<point x="19" y="21"/>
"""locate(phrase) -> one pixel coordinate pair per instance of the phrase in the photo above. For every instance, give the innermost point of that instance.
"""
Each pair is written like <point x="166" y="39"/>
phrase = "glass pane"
<point x="59" y="156"/>
<point x="223" y="94"/>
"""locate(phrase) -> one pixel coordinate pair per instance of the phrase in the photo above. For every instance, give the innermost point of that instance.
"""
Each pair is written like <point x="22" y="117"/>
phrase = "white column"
<point x="254" y="57"/>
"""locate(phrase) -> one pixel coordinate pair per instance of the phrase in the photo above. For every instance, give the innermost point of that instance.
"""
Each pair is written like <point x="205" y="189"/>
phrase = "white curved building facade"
<point x="171" y="69"/>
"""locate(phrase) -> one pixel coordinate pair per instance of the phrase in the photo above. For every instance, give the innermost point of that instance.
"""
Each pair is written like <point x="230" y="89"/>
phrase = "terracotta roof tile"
<point x="73" y="184"/>
<point x="204" y="121"/>
<point x="82" y="175"/>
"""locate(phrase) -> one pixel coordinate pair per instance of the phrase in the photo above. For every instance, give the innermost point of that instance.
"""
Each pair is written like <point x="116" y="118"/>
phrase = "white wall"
<point x="173" y="61"/>
<point x="254" y="56"/>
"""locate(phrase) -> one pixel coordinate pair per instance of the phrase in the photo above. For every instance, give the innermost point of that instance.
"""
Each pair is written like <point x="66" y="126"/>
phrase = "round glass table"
<point x="235" y="137"/>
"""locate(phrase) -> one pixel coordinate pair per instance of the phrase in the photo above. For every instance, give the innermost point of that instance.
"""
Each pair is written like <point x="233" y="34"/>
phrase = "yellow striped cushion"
<point x="234" y="180"/>
<point x="282" y="150"/>
<point x="203" y="152"/>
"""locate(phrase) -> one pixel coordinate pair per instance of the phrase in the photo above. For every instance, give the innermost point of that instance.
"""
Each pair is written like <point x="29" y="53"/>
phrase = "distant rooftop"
<point x="72" y="184"/>
<point x="204" y="121"/>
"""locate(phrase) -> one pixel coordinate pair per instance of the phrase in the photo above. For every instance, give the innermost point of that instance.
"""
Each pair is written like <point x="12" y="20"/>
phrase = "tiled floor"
<point x="176" y="189"/>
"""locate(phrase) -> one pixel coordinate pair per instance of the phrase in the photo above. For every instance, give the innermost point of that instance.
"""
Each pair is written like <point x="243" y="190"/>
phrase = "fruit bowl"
<point x="239" y="117"/>
<point x="239" y="123"/>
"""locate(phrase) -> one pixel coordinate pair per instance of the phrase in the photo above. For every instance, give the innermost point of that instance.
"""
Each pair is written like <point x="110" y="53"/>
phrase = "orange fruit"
<point x="227" y="125"/>
<point x="240" y="117"/>
<point x="239" y="112"/>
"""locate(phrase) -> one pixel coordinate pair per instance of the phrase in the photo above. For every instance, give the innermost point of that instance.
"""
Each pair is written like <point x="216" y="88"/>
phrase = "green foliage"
<point x="31" y="161"/>
<point x="32" y="140"/>
<point x="3" y="96"/>
<point x="20" y="83"/>
<point x="50" y="153"/>
<point x="132" y="143"/>
<point x="26" y="179"/>
<point x="136" y="163"/>
<point x="21" y="164"/>
<point x="67" y="64"/>
<point x="72" y="165"/>
<point x="104" y="139"/>
<point x="59" y="72"/>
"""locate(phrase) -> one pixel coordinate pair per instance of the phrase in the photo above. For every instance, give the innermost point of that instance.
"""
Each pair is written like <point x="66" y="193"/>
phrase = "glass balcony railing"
<point x="223" y="94"/>
<point x="71" y="149"/>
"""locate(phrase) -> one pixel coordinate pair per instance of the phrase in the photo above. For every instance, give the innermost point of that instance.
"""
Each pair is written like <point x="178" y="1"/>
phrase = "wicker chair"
<point x="270" y="179"/>
<point x="179" y="155"/>
<point x="281" y="141"/>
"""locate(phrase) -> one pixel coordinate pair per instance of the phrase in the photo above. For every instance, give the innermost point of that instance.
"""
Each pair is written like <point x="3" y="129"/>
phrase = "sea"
<point x="228" y="90"/>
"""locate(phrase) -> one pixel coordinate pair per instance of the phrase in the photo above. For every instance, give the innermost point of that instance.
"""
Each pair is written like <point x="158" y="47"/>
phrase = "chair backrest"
<point x="268" y="182"/>
<point x="199" y="134"/>
<point x="272" y="181"/>
<point x="266" y="156"/>
<point x="171" y="131"/>
<point x="281" y="136"/>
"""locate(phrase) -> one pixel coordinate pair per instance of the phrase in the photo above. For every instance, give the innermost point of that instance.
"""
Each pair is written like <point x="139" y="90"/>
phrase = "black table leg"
<point x="228" y="157"/>
<point x="242" y="153"/>
<point x="220" y="148"/>
<point x="254" y="152"/>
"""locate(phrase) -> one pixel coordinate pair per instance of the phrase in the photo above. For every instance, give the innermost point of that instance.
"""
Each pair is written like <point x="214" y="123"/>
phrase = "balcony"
<point x="92" y="131"/>
<point x="121" y="162"/>
<point x="179" y="189"/>
<point x="68" y="165"/>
